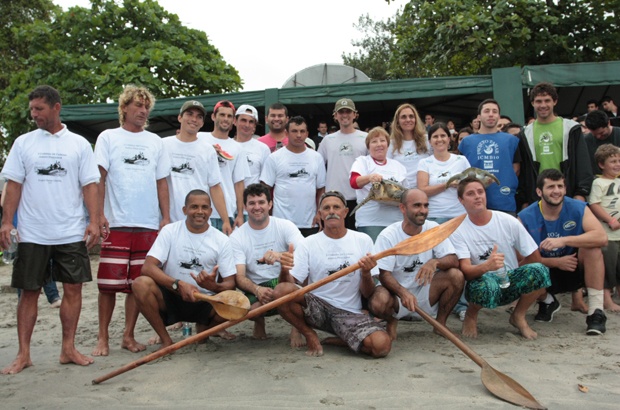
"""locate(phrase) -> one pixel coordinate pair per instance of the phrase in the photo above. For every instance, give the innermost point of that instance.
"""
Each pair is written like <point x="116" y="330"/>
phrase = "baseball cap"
<point x="224" y="103"/>
<point x="345" y="103"/>
<point x="248" y="110"/>
<point x="193" y="104"/>
<point x="337" y="194"/>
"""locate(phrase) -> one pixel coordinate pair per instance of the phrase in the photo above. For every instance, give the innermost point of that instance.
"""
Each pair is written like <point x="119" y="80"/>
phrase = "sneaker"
<point x="596" y="323"/>
<point x="546" y="311"/>
<point x="56" y="304"/>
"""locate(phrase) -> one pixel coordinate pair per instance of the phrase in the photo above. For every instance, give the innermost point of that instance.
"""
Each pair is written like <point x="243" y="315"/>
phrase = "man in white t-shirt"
<point x="335" y="307"/>
<point x="134" y="204"/>
<point x="429" y="281"/>
<point x="298" y="174"/>
<point x="233" y="168"/>
<point x="256" y="152"/>
<point x="187" y="257"/>
<point x="339" y="151"/>
<point x="486" y="244"/>
<point x="193" y="163"/>
<point x="262" y="249"/>
<point x="51" y="174"/>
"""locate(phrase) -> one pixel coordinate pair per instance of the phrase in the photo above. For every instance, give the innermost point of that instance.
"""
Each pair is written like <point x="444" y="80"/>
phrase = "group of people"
<point x="209" y="211"/>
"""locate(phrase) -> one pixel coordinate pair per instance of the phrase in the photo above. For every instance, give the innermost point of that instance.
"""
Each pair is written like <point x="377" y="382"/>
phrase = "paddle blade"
<point x="507" y="389"/>
<point x="229" y="304"/>
<point x="426" y="240"/>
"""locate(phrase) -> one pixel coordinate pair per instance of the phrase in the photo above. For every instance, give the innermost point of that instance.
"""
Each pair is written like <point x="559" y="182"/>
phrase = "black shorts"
<point x="70" y="264"/>
<point x="178" y="310"/>
<point x="563" y="281"/>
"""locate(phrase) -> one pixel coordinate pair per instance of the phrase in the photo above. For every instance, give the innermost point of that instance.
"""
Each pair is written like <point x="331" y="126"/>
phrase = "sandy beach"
<point x="423" y="370"/>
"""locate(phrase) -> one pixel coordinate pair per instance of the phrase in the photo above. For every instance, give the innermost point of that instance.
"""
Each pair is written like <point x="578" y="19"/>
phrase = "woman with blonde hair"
<point x="408" y="140"/>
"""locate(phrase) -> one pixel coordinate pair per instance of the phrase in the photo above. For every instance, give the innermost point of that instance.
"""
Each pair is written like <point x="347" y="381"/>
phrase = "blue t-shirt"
<point x="570" y="223"/>
<point x="495" y="153"/>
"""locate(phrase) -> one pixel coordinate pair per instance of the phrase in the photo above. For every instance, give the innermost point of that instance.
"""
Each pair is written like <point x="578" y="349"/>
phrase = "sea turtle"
<point x="384" y="191"/>
<point x="485" y="177"/>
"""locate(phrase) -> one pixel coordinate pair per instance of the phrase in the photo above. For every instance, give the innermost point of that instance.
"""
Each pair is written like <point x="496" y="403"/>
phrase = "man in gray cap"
<point x="193" y="163"/>
<point x="339" y="151"/>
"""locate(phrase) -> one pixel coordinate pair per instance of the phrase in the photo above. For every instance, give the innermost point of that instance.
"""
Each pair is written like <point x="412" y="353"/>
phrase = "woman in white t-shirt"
<point x="375" y="167"/>
<point x="435" y="171"/>
<point x="408" y="141"/>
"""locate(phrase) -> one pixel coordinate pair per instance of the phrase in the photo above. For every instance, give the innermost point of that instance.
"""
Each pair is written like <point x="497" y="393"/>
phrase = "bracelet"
<point x="256" y="291"/>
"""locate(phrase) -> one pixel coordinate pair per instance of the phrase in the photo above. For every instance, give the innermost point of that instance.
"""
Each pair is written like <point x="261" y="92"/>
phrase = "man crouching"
<point x="178" y="265"/>
<point x="335" y="307"/>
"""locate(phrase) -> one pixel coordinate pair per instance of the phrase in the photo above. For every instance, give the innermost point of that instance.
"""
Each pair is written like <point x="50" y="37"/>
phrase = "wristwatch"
<point x="175" y="285"/>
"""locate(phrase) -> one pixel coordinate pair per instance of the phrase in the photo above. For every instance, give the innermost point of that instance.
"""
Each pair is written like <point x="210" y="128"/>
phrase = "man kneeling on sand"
<point x="335" y="307"/>
<point x="486" y="244"/>
<point x="177" y="266"/>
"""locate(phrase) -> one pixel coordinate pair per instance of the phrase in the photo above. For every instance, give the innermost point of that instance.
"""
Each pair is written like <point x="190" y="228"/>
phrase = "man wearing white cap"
<point x="340" y="149"/>
<point x="246" y="119"/>
<point x="194" y="164"/>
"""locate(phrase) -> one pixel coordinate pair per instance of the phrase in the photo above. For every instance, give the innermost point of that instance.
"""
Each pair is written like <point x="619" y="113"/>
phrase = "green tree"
<point x="90" y="54"/>
<point x="470" y="37"/>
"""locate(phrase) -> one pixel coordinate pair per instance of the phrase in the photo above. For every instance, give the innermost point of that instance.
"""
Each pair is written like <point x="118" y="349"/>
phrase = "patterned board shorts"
<point x="352" y="328"/>
<point x="485" y="290"/>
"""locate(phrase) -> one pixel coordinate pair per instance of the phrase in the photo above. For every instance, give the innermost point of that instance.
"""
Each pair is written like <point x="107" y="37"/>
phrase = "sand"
<point x="423" y="370"/>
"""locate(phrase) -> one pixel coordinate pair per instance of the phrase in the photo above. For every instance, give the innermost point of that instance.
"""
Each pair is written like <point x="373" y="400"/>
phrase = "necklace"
<point x="196" y="253"/>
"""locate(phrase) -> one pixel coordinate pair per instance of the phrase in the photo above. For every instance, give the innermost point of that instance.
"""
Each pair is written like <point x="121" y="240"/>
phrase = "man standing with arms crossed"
<point x="51" y="172"/>
<point x="134" y="198"/>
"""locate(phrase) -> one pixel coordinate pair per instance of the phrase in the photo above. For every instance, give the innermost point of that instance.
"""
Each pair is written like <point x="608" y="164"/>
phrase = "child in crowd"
<point x="605" y="204"/>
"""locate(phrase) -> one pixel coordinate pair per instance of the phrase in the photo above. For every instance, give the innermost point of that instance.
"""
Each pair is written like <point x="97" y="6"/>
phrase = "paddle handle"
<point x="211" y="331"/>
<point x="452" y="337"/>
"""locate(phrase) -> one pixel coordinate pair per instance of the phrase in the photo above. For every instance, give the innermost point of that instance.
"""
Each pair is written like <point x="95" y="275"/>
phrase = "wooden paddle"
<point x="495" y="381"/>
<point x="229" y="304"/>
<point x="414" y="245"/>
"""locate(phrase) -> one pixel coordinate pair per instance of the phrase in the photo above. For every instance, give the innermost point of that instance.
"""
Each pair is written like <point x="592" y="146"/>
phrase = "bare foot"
<point x="17" y="366"/>
<point x="132" y="345"/>
<point x="521" y="324"/>
<point x="577" y="302"/>
<point x="154" y="340"/>
<point x="75" y="357"/>
<point x="470" y="328"/>
<point x="392" y="323"/>
<point x="314" y="347"/>
<point x="297" y="339"/>
<point x="259" y="329"/>
<point x="609" y="303"/>
<point x="224" y="334"/>
<point x="102" y="348"/>
<point x="176" y="326"/>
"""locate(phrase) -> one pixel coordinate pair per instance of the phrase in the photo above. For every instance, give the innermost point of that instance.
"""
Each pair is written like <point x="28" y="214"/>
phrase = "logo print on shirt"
<point x="487" y="147"/>
<point x="302" y="172"/>
<point x="54" y="169"/>
<point x="341" y="267"/>
<point x="193" y="264"/>
<point x="346" y="148"/>
<point x="485" y="255"/>
<point x="414" y="266"/>
<point x="138" y="159"/>
<point x="182" y="169"/>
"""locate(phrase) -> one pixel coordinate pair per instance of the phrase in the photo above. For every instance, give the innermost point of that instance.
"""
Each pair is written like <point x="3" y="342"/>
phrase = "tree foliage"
<point x="470" y="37"/>
<point x="90" y="54"/>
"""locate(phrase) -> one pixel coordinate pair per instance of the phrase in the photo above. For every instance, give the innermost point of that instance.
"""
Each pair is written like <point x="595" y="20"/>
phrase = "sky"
<point x="265" y="53"/>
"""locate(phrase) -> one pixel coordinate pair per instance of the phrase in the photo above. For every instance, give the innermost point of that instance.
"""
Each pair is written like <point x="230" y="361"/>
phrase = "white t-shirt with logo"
<point x="193" y="165"/>
<point x="256" y="153"/>
<point x="409" y="157"/>
<point x="339" y="151"/>
<point x="296" y="178"/>
<point x="476" y="242"/>
<point x="249" y="245"/>
<point x="404" y="268"/>
<point x="231" y="171"/>
<point x="318" y="256"/>
<point x="375" y="213"/>
<point x="182" y="252"/>
<point x="444" y="204"/>
<point x="53" y="169"/>
<point x="134" y="161"/>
